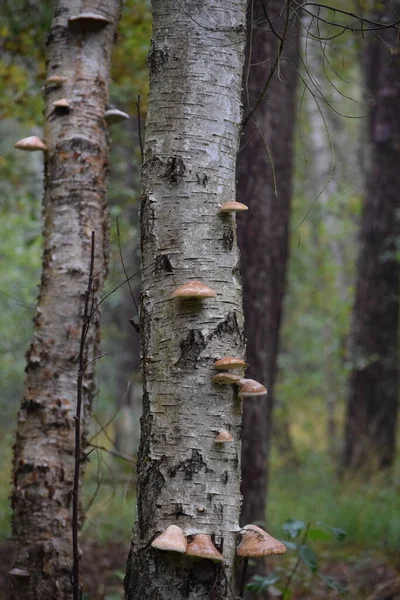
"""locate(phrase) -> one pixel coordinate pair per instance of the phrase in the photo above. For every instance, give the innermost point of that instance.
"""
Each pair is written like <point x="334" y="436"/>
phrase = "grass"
<point x="368" y="512"/>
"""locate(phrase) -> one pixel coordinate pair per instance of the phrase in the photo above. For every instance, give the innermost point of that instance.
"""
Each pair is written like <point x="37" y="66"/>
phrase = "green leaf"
<point x="339" y="534"/>
<point x="293" y="528"/>
<point x="259" y="584"/>
<point x="309" y="557"/>
<point x="334" y="584"/>
<point x="290" y="545"/>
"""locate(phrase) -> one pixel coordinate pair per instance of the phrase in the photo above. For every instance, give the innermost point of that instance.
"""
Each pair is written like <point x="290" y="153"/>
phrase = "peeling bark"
<point x="264" y="232"/>
<point x="74" y="205"/>
<point x="372" y="404"/>
<point x="189" y="170"/>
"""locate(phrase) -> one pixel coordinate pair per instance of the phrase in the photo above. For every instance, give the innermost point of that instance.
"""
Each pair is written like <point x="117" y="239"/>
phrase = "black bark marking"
<point x="225" y="477"/>
<point x="175" y="169"/>
<point x="146" y="221"/>
<point x="154" y="482"/>
<point x="191" y="349"/>
<point x="228" y="237"/>
<point x="157" y="59"/>
<point x="230" y="327"/>
<point x="163" y="264"/>
<point x="190" y="466"/>
<point x="202" y="179"/>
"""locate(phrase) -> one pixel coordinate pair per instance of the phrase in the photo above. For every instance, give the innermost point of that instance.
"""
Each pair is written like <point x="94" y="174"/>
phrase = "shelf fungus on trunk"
<point x="56" y="80"/>
<point x="223" y="437"/>
<point x="31" y="144"/>
<point x="250" y="387"/>
<point x="114" y="115"/>
<point x="194" y="289"/>
<point x="171" y="540"/>
<point x="226" y="378"/>
<point x="230" y="362"/>
<point x="88" y="22"/>
<point x="62" y="104"/>
<point x="257" y="542"/>
<point x="232" y="207"/>
<point x="202" y="547"/>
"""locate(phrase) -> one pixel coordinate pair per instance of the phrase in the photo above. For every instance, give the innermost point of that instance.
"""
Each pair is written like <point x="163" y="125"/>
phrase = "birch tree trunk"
<point x="264" y="183"/>
<point x="74" y="206"/>
<point x="372" y="404"/>
<point x="192" y="131"/>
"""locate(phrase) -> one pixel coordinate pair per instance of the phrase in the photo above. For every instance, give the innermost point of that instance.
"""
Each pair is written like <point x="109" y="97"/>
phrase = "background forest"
<point x="329" y="175"/>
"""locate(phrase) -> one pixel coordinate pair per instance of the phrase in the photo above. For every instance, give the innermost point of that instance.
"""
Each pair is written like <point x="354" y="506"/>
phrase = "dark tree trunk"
<point x="264" y="232"/>
<point x="373" y="382"/>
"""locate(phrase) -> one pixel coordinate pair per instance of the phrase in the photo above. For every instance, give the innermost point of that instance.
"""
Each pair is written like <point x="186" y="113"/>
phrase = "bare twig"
<point x="81" y="369"/>
<point x="113" y="453"/>
<point x="296" y="566"/>
<point x="123" y="265"/>
<point x="274" y="67"/>
<point x="139" y="128"/>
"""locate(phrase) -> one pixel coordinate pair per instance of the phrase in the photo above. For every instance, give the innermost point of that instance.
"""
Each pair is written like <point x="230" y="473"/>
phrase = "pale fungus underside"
<point x="31" y="144"/>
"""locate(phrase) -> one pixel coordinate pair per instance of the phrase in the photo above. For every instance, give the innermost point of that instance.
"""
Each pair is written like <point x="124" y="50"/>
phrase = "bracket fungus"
<point x="62" y="103"/>
<point x="250" y="387"/>
<point x="202" y="547"/>
<point x="31" y="144"/>
<point x="56" y="80"/>
<point x="257" y="542"/>
<point x="113" y="115"/>
<point x="223" y="437"/>
<point x="226" y="378"/>
<point x="230" y="362"/>
<point x="171" y="540"/>
<point x="88" y="21"/>
<point x="232" y="206"/>
<point x="194" y="289"/>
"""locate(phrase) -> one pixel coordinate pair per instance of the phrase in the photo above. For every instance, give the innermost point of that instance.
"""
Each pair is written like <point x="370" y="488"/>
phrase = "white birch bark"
<point x="190" y="154"/>
<point x="74" y="205"/>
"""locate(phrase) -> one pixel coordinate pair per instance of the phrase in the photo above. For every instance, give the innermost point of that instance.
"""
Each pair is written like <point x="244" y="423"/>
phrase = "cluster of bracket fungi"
<point x="84" y="22"/>
<point x="254" y="541"/>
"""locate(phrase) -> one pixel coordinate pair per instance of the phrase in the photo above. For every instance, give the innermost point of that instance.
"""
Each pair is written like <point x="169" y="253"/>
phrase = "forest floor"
<point x="366" y="575"/>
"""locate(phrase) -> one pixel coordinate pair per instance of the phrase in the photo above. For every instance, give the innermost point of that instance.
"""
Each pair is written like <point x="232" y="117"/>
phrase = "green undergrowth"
<point x="369" y="512"/>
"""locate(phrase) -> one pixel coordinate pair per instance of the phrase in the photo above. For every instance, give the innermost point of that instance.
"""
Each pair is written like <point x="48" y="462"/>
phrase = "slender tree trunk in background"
<point x="74" y="206"/>
<point x="264" y="232"/>
<point x="192" y="132"/>
<point x="373" y="382"/>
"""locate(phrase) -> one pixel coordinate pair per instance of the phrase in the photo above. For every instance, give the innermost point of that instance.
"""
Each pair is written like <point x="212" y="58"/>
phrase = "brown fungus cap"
<point x="31" y="144"/>
<point x="194" y="289"/>
<point x="232" y="206"/>
<point x="202" y="547"/>
<point x="226" y="378"/>
<point x="257" y="542"/>
<point x="56" y="79"/>
<point x="171" y="540"/>
<point x="230" y="362"/>
<point x="250" y="387"/>
<point x="223" y="437"/>
<point x="62" y="103"/>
